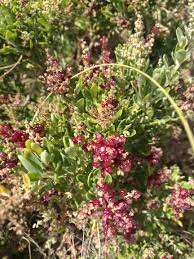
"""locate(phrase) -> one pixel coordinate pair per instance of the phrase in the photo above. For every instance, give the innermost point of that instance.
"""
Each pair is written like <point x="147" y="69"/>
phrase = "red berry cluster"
<point x="110" y="101"/>
<point x="17" y="136"/>
<point x="47" y="196"/>
<point x="87" y="57"/>
<point x="56" y="78"/>
<point x="4" y="99"/>
<point x="107" y="84"/>
<point x="109" y="152"/>
<point x="121" y="22"/>
<point x="93" y="8"/>
<point x="166" y="256"/>
<point x="180" y="199"/>
<point x="104" y="58"/>
<point x="12" y="138"/>
<point x="155" y="155"/>
<point x="37" y="130"/>
<point x="6" y="162"/>
<point x="114" y="211"/>
<point x="79" y="139"/>
<point x="156" y="179"/>
<point x="154" y="31"/>
<point x="104" y="50"/>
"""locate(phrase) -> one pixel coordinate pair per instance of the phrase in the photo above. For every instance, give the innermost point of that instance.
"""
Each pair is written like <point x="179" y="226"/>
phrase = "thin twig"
<point x="12" y="67"/>
<point x="29" y="247"/>
<point x="27" y="237"/>
<point x="99" y="249"/>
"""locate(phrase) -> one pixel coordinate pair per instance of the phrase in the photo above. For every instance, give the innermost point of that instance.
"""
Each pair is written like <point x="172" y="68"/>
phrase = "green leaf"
<point x="81" y="104"/>
<point x="108" y="178"/>
<point x="26" y="180"/>
<point x="28" y="144"/>
<point x="82" y="22"/>
<point x="44" y="23"/>
<point x="71" y="152"/>
<point x="36" y="148"/>
<point x="130" y="133"/>
<point x="10" y="35"/>
<point x="94" y="90"/>
<point x="78" y="86"/>
<point x="182" y="40"/>
<point x="32" y="157"/>
<point x="180" y="57"/>
<point x="81" y="178"/>
<point x="4" y="190"/>
<point x="121" y="125"/>
<point x="118" y="114"/>
<point x="33" y="176"/>
<point x="29" y="165"/>
<point x="45" y="157"/>
<point x="66" y="141"/>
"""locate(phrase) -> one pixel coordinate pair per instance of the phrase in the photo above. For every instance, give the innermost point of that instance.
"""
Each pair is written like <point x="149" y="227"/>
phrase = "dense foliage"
<point x="96" y="159"/>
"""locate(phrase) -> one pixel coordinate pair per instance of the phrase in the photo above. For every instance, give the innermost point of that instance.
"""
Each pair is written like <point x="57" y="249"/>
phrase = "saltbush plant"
<point x="91" y="164"/>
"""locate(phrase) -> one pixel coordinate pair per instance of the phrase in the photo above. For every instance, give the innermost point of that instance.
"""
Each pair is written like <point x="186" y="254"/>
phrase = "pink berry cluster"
<point x="180" y="199"/>
<point x="56" y="78"/>
<point x="155" y="155"/>
<point x="114" y="210"/>
<point x="156" y="179"/>
<point x="19" y="137"/>
<point x="109" y="153"/>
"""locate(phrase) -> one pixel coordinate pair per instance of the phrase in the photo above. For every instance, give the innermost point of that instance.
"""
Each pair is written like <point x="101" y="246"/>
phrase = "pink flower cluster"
<point x="155" y="155"/>
<point x="156" y="179"/>
<point x="114" y="211"/>
<point x="180" y="199"/>
<point x="109" y="152"/>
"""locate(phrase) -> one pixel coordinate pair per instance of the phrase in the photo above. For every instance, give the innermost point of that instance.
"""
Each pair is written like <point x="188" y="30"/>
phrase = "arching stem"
<point x="170" y="99"/>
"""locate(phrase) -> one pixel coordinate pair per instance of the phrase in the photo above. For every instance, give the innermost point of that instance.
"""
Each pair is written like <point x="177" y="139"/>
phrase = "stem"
<point x="12" y="67"/>
<point x="41" y="105"/>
